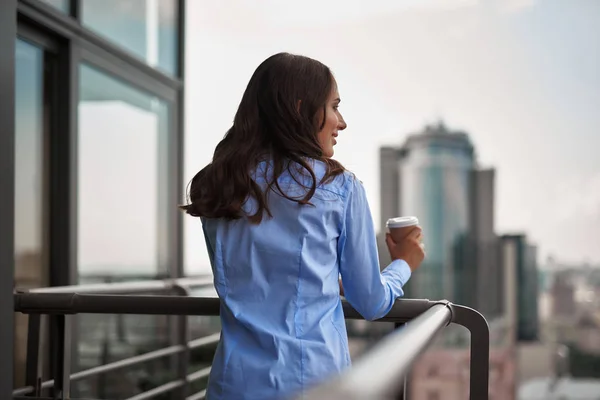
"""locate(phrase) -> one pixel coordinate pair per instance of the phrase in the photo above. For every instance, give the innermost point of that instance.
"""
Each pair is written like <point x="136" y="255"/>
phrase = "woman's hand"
<point x="410" y="249"/>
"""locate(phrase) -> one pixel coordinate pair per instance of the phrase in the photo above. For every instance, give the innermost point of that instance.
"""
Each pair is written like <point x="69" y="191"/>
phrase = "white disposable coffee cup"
<point x="400" y="227"/>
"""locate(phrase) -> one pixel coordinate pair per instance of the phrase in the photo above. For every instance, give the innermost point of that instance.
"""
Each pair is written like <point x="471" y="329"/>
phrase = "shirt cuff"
<point x="401" y="269"/>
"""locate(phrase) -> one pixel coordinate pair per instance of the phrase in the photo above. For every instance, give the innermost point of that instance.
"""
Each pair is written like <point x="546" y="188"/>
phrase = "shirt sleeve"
<point x="372" y="293"/>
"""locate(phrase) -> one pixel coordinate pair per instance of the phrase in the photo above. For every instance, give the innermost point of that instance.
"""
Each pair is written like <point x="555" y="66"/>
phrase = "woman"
<point x="282" y="220"/>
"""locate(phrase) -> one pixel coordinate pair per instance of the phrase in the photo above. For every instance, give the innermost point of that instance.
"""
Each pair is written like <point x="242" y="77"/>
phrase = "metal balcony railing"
<point x="378" y="375"/>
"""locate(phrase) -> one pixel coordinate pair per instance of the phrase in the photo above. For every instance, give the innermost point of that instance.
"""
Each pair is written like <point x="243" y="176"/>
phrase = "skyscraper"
<point x="483" y="249"/>
<point x="519" y="286"/>
<point x="434" y="176"/>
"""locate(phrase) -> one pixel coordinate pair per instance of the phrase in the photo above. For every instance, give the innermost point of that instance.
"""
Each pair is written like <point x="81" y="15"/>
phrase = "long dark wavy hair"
<point x="281" y="112"/>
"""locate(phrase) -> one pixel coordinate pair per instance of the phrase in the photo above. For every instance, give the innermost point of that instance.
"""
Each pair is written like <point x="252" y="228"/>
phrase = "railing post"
<point x="480" y="349"/>
<point x="183" y="339"/>
<point x="33" y="376"/>
<point x="62" y="356"/>
<point x="402" y="395"/>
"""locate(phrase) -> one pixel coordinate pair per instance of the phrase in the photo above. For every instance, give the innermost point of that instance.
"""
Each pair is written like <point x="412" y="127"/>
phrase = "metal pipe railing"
<point x="131" y="361"/>
<point x="400" y="349"/>
<point x="75" y="303"/>
<point x="60" y="385"/>
<point x="134" y="287"/>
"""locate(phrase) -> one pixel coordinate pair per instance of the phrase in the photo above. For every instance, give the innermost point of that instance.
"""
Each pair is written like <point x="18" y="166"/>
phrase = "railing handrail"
<point x="434" y="316"/>
<point x="132" y="287"/>
<point x="66" y="303"/>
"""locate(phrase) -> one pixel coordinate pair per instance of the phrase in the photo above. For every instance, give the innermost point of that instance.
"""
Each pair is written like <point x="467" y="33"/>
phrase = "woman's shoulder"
<point x="342" y="183"/>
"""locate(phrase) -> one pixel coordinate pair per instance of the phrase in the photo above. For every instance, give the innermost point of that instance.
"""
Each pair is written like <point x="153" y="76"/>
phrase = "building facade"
<point x="520" y="290"/>
<point x="563" y="296"/>
<point x="443" y="374"/>
<point x="91" y="128"/>
<point x="483" y="249"/>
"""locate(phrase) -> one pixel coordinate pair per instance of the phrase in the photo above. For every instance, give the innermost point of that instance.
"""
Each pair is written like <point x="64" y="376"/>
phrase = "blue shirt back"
<point x="283" y="327"/>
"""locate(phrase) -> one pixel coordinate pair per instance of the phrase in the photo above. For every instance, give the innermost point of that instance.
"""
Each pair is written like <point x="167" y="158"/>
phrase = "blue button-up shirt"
<point x="283" y="327"/>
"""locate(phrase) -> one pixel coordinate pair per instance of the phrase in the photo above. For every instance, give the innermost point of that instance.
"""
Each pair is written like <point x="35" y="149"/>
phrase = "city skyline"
<point x="519" y="76"/>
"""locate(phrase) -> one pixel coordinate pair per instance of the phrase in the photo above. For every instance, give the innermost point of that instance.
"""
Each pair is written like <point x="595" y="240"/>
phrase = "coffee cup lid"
<point x="402" y="222"/>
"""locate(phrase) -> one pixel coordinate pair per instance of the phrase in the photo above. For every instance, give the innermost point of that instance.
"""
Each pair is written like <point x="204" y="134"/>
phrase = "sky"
<point x="522" y="77"/>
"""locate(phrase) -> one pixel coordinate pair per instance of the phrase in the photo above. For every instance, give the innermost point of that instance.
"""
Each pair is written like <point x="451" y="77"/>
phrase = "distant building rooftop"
<point x="439" y="135"/>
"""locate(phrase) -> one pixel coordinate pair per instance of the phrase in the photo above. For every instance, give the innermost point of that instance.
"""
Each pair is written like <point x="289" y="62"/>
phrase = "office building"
<point x="562" y="294"/>
<point x="484" y="251"/>
<point x="519" y="287"/>
<point x="91" y="162"/>
<point x="434" y="176"/>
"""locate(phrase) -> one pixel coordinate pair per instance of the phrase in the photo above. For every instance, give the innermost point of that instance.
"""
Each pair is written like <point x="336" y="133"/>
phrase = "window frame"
<point x="8" y="30"/>
<point x="70" y="44"/>
<point x="76" y="45"/>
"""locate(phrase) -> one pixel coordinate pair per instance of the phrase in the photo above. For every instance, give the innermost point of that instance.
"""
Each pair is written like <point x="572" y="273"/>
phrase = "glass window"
<point x="30" y="184"/>
<point x="122" y="214"/>
<point x="123" y="135"/>
<point x="62" y="5"/>
<point x="146" y="28"/>
<point x="29" y="168"/>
